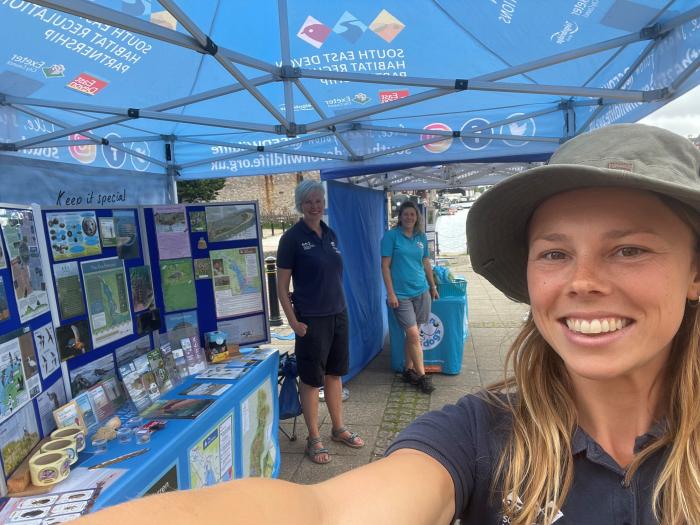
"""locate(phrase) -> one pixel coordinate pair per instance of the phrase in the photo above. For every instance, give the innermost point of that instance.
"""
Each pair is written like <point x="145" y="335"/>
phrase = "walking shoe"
<point x="425" y="384"/>
<point x="410" y="376"/>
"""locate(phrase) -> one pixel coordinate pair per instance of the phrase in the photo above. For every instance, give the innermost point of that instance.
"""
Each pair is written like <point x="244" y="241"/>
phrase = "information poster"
<point x="18" y="436"/>
<point x="172" y="234"/>
<point x="46" y="350"/>
<point x="237" y="281"/>
<point x="177" y="280"/>
<point x="231" y="223"/>
<point x="259" y="451"/>
<point x="109" y="311"/>
<point x="14" y="392"/>
<point x="127" y="234"/>
<point x="202" y="268"/>
<point x="48" y="401"/>
<point x="19" y="231"/>
<point x="69" y="290"/>
<point x="29" y="364"/>
<point x="73" y="234"/>
<point x="211" y="459"/>
<point x="4" y="307"/>
<point x="141" y="288"/>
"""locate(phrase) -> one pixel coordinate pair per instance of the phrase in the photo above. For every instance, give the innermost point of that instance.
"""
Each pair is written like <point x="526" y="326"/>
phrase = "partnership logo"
<point x="87" y="84"/>
<point x="432" y="333"/>
<point x="385" y="26"/>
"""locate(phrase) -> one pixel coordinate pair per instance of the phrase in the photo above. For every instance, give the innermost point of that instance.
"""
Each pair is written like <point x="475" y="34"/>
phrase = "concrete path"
<point x="380" y="404"/>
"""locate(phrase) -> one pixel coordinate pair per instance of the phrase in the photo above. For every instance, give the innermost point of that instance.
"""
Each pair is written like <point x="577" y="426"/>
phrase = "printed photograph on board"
<point x="14" y="392"/>
<point x="231" y="222"/>
<point x="177" y="280"/>
<point x="73" y="339"/>
<point x="73" y="235"/>
<point x="141" y="288"/>
<point x="4" y="306"/>
<point x="18" y="436"/>
<point x="88" y="375"/>
<point x="49" y="400"/>
<point x="244" y="330"/>
<point x="46" y="350"/>
<point x="198" y="221"/>
<point x="127" y="234"/>
<point x="107" y="232"/>
<point x="30" y="365"/>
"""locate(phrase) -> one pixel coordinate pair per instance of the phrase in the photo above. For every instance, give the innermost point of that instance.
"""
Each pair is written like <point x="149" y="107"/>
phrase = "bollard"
<point x="271" y="271"/>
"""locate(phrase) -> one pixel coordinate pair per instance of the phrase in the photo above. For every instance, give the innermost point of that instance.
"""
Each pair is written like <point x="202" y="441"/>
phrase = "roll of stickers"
<point x="66" y="445"/>
<point x="48" y="468"/>
<point x="73" y="431"/>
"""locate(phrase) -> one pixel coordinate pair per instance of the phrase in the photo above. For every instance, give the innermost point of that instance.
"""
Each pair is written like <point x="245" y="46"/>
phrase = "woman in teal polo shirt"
<point x="408" y="277"/>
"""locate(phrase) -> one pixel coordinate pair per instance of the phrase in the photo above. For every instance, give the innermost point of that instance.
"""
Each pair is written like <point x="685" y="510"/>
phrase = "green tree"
<point x="202" y="190"/>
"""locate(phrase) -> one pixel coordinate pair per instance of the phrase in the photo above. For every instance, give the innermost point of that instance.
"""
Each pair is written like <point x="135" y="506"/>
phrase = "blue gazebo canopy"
<point x="214" y="88"/>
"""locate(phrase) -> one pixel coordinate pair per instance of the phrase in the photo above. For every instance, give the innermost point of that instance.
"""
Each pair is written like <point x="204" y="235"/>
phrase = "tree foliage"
<point x="202" y="190"/>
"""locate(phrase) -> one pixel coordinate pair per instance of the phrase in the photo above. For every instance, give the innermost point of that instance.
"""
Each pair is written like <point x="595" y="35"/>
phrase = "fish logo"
<point x="349" y="27"/>
<point x="387" y="26"/>
<point x="314" y="32"/>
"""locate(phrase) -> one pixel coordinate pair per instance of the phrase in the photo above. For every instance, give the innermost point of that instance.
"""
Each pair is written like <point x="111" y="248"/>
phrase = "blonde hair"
<point x="535" y="470"/>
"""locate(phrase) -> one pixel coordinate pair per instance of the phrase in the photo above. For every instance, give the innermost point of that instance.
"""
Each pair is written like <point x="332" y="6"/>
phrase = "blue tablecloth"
<point x="443" y="336"/>
<point x="230" y="422"/>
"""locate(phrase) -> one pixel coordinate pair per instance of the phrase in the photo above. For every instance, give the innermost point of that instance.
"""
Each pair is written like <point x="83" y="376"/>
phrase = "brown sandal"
<point x="315" y="453"/>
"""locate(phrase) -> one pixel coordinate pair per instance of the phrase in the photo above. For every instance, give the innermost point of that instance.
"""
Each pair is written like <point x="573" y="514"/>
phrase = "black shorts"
<point x="324" y="348"/>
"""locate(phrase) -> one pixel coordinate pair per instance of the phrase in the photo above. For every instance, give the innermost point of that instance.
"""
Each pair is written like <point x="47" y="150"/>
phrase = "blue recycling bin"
<point x="443" y="336"/>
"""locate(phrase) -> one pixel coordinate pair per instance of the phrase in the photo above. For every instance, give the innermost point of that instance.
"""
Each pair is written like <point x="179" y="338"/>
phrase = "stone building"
<point x="275" y="193"/>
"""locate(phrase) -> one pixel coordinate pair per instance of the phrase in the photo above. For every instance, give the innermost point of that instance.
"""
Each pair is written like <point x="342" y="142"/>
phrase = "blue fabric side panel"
<point x="357" y="216"/>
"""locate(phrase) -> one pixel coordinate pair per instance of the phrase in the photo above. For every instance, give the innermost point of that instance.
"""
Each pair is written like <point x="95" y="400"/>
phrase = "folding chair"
<point x="289" y="404"/>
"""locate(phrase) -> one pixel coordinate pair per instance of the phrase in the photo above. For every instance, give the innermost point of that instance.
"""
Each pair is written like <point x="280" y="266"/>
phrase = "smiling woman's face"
<point x="609" y="271"/>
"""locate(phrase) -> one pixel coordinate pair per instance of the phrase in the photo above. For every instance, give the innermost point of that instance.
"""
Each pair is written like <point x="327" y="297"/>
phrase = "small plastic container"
<point x="124" y="435"/>
<point x="99" y="446"/>
<point x="143" y="436"/>
<point x="134" y="422"/>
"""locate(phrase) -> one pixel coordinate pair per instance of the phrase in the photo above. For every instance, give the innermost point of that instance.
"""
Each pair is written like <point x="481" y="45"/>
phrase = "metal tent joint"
<point x="289" y="72"/>
<point x="566" y="105"/>
<point x="133" y="112"/>
<point x="261" y="148"/>
<point x="356" y="158"/>
<point x="653" y="32"/>
<point x="456" y="134"/>
<point x="104" y="141"/>
<point x="461" y="84"/>
<point x="210" y="47"/>
<point x="8" y="146"/>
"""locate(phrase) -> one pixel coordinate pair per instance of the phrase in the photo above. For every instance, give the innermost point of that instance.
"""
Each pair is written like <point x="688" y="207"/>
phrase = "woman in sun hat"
<point x="597" y="420"/>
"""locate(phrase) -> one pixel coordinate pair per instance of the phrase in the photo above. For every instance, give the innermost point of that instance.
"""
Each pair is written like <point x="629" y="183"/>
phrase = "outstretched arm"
<point x="408" y="487"/>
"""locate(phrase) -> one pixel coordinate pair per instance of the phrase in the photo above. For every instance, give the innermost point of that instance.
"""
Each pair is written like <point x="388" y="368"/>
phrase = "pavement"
<point x="380" y="404"/>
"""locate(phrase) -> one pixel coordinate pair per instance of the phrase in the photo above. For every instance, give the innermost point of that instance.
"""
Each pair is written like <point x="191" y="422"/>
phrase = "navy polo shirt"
<point x="467" y="439"/>
<point x="317" y="269"/>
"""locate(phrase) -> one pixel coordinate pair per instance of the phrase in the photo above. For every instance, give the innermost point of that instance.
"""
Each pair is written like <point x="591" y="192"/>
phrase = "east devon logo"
<point x="385" y="25"/>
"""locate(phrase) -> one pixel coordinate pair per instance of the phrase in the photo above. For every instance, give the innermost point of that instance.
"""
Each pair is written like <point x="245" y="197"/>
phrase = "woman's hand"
<point x="392" y="300"/>
<point x="434" y="293"/>
<point x="299" y="328"/>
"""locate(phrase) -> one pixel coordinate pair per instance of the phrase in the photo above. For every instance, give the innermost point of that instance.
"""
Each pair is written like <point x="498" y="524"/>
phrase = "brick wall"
<point x="275" y="193"/>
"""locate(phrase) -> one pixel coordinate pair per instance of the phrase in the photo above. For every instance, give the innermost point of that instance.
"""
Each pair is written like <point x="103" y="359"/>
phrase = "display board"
<point x="207" y="263"/>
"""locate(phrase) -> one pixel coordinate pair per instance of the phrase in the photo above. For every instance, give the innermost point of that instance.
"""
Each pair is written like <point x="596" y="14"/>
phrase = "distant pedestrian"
<point x="408" y="277"/>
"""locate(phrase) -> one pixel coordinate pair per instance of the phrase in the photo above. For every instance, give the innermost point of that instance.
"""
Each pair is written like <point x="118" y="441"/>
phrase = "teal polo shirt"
<point x="407" y="253"/>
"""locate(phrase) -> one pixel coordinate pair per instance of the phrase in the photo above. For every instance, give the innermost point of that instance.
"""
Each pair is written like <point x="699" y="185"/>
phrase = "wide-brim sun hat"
<point x="625" y="155"/>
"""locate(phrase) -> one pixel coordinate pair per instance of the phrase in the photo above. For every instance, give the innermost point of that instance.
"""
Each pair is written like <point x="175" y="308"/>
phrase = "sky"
<point x="681" y="115"/>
